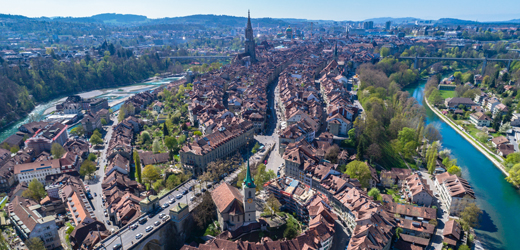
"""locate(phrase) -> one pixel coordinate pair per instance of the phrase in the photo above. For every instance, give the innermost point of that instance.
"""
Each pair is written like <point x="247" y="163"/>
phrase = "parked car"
<point x="165" y="205"/>
<point x="192" y="198"/>
<point x="165" y="218"/>
<point x="143" y="220"/>
<point x="117" y="246"/>
<point x="179" y="196"/>
<point x="191" y="188"/>
<point x="95" y="194"/>
<point x="106" y="214"/>
<point x="185" y="192"/>
<point x="157" y="223"/>
<point x="203" y="190"/>
<point x="139" y="236"/>
<point x="209" y="185"/>
<point x="161" y="215"/>
<point x="149" y="228"/>
<point x="197" y="194"/>
<point x="134" y="226"/>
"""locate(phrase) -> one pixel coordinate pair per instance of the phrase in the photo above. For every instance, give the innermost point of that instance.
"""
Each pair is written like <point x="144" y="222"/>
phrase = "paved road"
<point x="442" y="216"/>
<point x="128" y="236"/>
<point x="95" y="184"/>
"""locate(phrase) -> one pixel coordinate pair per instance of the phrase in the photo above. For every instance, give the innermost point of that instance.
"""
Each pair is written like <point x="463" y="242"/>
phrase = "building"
<point x="480" y="119"/>
<point x="455" y="192"/>
<point x="417" y="190"/>
<point x="44" y="138"/>
<point x="87" y="233"/>
<point x="222" y="143"/>
<point x="91" y="122"/>
<point x="37" y="170"/>
<point x="455" y="102"/>
<point x="388" y="24"/>
<point x="98" y="104"/>
<point x="394" y="176"/>
<point x="30" y="222"/>
<point x="452" y="233"/>
<point x="338" y="125"/>
<point x="368" y="25"/>
<point x="235" y="208"/>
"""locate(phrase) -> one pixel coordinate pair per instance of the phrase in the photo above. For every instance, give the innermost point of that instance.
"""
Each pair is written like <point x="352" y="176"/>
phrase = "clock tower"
<point x="248" y="191"/>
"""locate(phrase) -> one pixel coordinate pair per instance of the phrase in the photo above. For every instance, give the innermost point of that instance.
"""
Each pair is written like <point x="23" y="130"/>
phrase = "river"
<point x="112" y="94"/>
<point x="499" y="200"/>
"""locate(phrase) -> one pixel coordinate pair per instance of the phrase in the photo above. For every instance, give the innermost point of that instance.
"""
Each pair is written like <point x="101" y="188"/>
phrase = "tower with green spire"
<point x="248" y="192"/>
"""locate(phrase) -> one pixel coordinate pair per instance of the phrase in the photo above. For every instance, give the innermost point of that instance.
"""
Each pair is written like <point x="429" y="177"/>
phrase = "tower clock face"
<point x="249" y="200"/>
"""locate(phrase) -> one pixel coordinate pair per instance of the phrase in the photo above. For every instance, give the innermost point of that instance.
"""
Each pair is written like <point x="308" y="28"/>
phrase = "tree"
<point x="35" y="243"/>
<point x="273" y="204"/>
<point x="470" y="216"/>
<point x="464" y="247"/>
<point x="137" y="162"/>
<point x="35" y="191"/>
<point x="78" y="131"/>
<point x="292" y="228"/>
<point x="374" y="151"/>
<point x="504" y="127"/>
<point x="398" y="232"/>
<point x="165" y="130"/>
<point x="197" y="133"/>
<point x="145" y="137"/>
<point x="433" y="222"/>
<point x="374" y="193"/>
<point x="432" y="134"/>
<point x="121" y="115"/>
<point x="384" y="52"/>
<point x="431" y="158"/>
<point x="172" y="182"/>
<point x="514" y="174"/>
<point x="104" y="122"/>
<point x="158" y="185"/>
<point x="262" y="176"/>
<point x="181" y="139"/>
<point x="151" y="174"/>
<point x="155" y="146"/>
<point x="496" y="122"/>
<point x="359" y="170"/>
<point x="95" y="139"/>
<point x="255" y="148"/>
<point x="455" y="170"/>
<point x="87" y="168"/>
<point x="170" y="142"/>
<point x="14" y="149"/>
<point x="57" y="150"/>
<point x="205" y="212"/>
<point x="332" y="154"/>
<point x="92" y="157"/>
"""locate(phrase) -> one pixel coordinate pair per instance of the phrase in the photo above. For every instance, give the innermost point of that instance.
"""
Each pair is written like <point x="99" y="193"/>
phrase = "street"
<point x="442" y="217"/>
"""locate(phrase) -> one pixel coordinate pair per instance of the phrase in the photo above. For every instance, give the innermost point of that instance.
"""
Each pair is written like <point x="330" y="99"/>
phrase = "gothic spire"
<point x="249" y="181"/>
<point x="249" y="21"/>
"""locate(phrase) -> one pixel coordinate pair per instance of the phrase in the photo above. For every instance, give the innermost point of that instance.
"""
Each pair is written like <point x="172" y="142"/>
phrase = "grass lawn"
<point x="3" y="203"/>
<point x="447" y="93"/>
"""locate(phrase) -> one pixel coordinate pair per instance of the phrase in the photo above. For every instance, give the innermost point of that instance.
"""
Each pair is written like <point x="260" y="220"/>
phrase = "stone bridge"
<point x="484" y="60"/>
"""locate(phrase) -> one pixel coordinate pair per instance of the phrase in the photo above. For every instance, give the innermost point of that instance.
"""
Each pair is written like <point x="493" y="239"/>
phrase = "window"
<point x="249" y="194"/>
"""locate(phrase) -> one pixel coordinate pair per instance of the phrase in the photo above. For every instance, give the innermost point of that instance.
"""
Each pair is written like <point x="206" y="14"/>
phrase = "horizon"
<point x="478" y="10"/>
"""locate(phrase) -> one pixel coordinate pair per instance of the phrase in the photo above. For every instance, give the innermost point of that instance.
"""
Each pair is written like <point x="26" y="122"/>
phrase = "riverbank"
<point x="490" y="155"/>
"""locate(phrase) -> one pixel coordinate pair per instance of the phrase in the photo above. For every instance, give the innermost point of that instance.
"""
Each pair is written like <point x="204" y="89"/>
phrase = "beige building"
<point x="225" y="142"/>
<point x="455" y="192"/>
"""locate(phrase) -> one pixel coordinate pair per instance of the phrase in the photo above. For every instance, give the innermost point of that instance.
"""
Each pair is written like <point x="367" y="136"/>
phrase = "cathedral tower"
<point x="250" y="47"/>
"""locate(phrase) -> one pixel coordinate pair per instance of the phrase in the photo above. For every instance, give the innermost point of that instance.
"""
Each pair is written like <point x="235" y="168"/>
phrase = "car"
<point x="185" y="192"/>
<point x="197" y="194"/>
<point x="95" y="194"/>
<point x="134" y="226"/>
<point x="191" y="188"/>
<point x="165" y="218"/>
<point x="192" y="198"/>
<point x="149" y="228"/>
<point x="165" y="205"/>
<point x="157" y="223"/>
<point x="179" y="196"/>
<point x="117" y="246"/>
<point x="209" y="185"/>
<point x="161" y="215"/>
<point x="203" y="190"/>
<point x="105" y="210"/>
<point x="139" y="236"/>
<point x="106" y="214"/>
<point x="150" y="215"/>
<point x="143" y="220"/>
<point x="108" y="222"/>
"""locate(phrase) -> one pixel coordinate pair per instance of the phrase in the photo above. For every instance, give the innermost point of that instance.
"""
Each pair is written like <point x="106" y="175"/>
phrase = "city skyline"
<point x="312" y="10"/>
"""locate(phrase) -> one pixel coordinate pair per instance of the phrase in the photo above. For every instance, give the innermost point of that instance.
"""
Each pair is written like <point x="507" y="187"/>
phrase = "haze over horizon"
<point x="338" y="10"/>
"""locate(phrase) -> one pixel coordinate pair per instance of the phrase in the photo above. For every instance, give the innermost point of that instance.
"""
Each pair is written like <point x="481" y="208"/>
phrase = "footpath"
<point x="485" y="151"/>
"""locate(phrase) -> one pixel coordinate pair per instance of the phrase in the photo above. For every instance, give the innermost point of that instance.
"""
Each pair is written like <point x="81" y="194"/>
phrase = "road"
<point x="128" y="236"/>
<point x="95" y="184"/>
<point x="442" y="217"/>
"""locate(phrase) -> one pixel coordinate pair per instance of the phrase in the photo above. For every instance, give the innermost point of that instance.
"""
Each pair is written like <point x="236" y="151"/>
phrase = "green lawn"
<point x="447" y="93"/>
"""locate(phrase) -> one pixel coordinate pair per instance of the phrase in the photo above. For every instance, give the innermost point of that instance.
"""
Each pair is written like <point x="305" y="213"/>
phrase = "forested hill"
<point x="48" y="78"/>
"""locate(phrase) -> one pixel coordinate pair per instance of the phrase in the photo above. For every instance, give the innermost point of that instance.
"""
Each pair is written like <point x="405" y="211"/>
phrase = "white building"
<point x="37" y="170"/>
<point x="455" y="192"/>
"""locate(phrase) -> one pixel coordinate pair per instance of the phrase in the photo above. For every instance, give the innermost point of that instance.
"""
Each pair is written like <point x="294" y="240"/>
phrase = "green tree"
<point x="172" y="182"/>
<point x="151" y="174"/>
<point x="398" y="232"/>
<point x="78" y="131"/>
<point x="273" y="204"/>
<point x="292" y="228"/>
<point x="14" y="149"/>
<point x="464" y="247"/>
<point x="384" y="52"/>
<point x="165" y="130"/>
<point x="145" y="137"/>
<point x="156" y="147"/>
<point x="359" y="170"/>
<point x="470" y="216"/>
<point x="170" y="142"/>
<point x="104" y="122"/>
<point x="375" y="194"/>
<point x="158" y="185"/>
<point x="57" y="150"/>
<point x="197" y="133"/>
<point x="121" y="115"/>
<point x="255" y="148"/>
<point x="137" y="162"/>
<point x="92" y="157"/>
<point x="181" y="139"/>
<point x="35" y="191"/>
<point x="455" y="170"/>
<point x="262" y="176"/>
<point x="95" y="139"/>
<point x="35" y="243"/>
<point x="87" y="168"/>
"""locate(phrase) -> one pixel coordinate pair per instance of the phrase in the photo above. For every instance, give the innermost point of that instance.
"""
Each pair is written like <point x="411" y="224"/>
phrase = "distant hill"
<point x="454" y="21"/>
<point x="222" y="20"/>
<point x="394" y="20"/>
<point x="120" y="18"/>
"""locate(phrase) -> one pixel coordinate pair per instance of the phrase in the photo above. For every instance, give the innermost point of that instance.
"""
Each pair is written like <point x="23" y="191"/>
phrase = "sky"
<point x="338" y="10"/>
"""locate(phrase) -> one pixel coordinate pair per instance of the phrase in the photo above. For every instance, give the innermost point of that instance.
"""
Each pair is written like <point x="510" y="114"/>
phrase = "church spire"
<point x="249" y="20"/>
<point x="249" y="181"/>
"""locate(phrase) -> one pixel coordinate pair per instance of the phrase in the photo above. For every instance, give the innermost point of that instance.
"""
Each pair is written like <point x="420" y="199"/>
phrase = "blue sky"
<point x="481" y="10"/>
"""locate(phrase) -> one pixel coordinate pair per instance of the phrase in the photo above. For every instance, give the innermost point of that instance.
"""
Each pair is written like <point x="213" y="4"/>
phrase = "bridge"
<point x="485" y="60"/>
